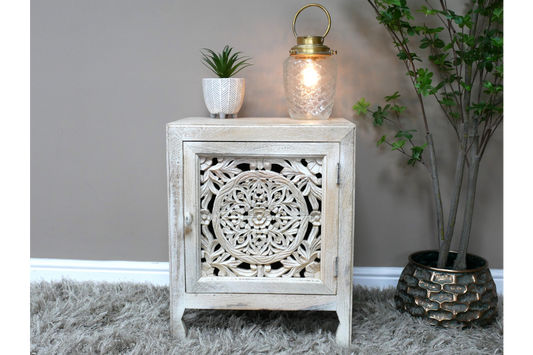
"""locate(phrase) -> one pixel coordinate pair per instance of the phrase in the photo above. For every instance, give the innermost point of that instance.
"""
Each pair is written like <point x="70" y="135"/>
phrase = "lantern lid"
<point x="311" y="45"/>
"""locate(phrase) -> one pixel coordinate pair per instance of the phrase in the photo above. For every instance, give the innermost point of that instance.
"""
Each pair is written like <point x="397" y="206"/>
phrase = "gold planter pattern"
<point x="448" y="298"/>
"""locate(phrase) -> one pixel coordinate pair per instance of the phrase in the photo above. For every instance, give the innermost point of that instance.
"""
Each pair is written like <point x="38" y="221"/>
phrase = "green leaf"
<point x="455" y="115"/>
<point x="398" y="109"/>
<point x="480" y="107"/>
<point x="402" y="55"/>
<point x="381" y="140"/>
<point x="416" y="154"/>
<point x="406" y="134"/>
<point x="430" y="31"/>
<point x="398" y="145"/>
<point x="379" y="114"/>
<point x="441" y="62"/>
<point x="466" y="87"/>
<point x="497" y="14"/>
<point x="447" y="102"/>
<point x="499" y="70"/>
<point x="448" y="46"/>
<point x="393" y="2"/>
<point x="439" y="43"/>
<point x="463" y="20"/>
<point x="392" y="97"/>
<point x="436" y="42"/>
<point x="498" y="42"/>
<point x="427" y="12"/>
<point x="360" y="106"/>
<point x="489" y="86"/>
<point x="423" y="82"/>
<point x="466" y="39"/>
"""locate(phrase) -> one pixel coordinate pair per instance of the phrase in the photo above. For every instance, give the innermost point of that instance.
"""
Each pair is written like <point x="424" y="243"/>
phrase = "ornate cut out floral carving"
<point x="255" y="219"/>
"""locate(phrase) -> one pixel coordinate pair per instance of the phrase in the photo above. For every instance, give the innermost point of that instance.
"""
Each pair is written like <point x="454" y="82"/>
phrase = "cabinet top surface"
<point x="260" y="121"/>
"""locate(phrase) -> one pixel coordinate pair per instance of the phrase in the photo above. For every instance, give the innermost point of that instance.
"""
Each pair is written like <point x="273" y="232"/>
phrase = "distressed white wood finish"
<point x="206" y="260"/>
<point x="329" y="152"/>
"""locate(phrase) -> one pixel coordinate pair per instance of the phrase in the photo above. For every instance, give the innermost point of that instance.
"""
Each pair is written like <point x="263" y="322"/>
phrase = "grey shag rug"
<point x="69" y="317"/>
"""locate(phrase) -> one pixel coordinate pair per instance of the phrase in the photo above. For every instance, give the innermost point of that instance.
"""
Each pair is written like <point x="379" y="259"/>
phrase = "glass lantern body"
<point x="310" y="82"/>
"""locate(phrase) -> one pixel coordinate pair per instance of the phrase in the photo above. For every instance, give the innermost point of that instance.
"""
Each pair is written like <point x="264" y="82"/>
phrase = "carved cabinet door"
<point x="261" y="217"/>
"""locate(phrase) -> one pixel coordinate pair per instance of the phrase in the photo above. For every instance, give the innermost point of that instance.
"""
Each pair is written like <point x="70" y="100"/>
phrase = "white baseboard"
<point x="97" y="270"/>
<point x="157" y="272"/>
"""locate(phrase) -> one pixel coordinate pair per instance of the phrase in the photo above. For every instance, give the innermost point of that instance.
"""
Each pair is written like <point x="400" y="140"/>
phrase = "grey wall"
<point x="106" y="76"/>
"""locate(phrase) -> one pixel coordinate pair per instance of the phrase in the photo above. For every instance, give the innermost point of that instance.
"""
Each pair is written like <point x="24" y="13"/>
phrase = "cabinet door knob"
<point x="188" y="219"/>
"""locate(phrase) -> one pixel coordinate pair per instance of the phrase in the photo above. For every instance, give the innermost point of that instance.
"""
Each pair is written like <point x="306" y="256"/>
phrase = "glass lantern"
<point x="310" y="75"/>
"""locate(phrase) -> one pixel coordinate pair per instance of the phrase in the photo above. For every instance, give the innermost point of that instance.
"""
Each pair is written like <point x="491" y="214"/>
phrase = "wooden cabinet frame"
<point x="197" y="147"/>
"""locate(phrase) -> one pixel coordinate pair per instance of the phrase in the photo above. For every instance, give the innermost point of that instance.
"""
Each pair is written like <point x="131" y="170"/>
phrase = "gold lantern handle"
<point x="305" y="7"/>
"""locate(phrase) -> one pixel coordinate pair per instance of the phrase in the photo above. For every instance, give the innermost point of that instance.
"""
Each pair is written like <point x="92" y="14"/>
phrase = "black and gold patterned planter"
<point x="449" y="298"/>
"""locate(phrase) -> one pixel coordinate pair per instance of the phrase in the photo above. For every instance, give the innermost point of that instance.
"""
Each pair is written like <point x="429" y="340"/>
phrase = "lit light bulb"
<point x="310" y="76"/>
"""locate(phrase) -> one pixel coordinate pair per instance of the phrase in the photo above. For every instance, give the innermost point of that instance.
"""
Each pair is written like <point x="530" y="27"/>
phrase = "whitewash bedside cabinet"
<point x="261" y="216"/>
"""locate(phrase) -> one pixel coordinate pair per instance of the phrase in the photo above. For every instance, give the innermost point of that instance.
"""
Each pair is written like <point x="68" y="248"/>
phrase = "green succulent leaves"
<point x="224" y="65"/>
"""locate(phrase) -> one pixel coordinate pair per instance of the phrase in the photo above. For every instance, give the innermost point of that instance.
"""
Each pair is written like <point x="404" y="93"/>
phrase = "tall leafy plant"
<point x="464" y="74"/>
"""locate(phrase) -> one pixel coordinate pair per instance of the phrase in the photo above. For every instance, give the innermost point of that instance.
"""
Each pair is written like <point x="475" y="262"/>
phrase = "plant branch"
<point x="459" y="172"/>
<point x="460" y="261"/>
<point x="436" y="188"/>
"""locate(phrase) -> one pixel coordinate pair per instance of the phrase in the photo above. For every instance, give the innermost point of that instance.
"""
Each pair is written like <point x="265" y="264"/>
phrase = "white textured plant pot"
<point x="223" y="96"/>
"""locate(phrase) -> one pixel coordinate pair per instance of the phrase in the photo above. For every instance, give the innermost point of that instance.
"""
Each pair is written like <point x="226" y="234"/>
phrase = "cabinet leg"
<point x="344" y="330"/>
<point x="179" y="327"/>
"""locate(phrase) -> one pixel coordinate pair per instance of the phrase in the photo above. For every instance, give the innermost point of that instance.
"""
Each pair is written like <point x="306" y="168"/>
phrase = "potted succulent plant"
<point x="224" y="95"/>
<point x="466" y="79"/>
